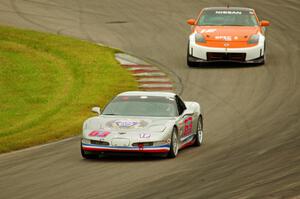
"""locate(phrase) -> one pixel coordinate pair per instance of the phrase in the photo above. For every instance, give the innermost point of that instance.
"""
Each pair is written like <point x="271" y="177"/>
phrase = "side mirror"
<point x="96" y="110"/>
<point x="191" y="22"/>
<point x="264" y="23"/>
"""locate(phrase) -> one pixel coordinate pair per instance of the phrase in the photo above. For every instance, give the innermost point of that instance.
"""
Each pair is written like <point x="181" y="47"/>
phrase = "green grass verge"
<point x="48" y="84"/>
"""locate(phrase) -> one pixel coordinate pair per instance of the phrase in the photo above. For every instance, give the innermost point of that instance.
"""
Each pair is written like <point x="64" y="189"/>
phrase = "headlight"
<point x="199" y="38"/>
<point x="253" y="39"/>
<point x="85" y="141"/>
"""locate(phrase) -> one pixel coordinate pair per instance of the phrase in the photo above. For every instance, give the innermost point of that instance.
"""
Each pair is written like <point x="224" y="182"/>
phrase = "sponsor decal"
<point x="101" y="134"/>
<point x="180" y="124"/>
<point x="208" y="30"/>
<point x="228" y="12"/>
<point x="141" y="146"/>
<point x="225" y="38"/>
<point x="188" y="126"/>
<point x="126" y="123"/>
<point x="145" y="135"/>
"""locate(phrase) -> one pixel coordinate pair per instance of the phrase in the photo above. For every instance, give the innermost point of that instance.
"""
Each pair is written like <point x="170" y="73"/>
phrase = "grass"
<point x="48" y="84"/>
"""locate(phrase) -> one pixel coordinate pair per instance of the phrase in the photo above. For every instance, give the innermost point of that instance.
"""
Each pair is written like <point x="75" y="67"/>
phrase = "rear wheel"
<point x="199" y="133"/>
<point x="174" y="144"/>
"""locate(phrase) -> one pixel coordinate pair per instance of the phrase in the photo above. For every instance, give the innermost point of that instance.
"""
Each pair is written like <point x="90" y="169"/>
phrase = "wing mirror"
<point x="96" y="110"/>
<point x="191" y="22"/>
<point x="264" y="23"/>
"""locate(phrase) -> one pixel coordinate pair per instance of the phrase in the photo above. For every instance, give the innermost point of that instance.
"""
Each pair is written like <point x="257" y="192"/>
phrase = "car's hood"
<point x="227" y="33"/>
<point x="128" y="124"/>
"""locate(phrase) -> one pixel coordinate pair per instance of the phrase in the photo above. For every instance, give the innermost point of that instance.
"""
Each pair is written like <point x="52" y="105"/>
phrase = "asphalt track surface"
<point x="252" y="140"/>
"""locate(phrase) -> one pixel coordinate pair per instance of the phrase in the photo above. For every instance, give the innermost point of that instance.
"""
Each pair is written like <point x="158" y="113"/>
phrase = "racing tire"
<point x="87" y="155"/>
<point x="264" y="61"/>
<point x="189" y="63"/>
<point x="174" y="147"/>
<point x="265" y="55"/>
<point x="199" y="133"/>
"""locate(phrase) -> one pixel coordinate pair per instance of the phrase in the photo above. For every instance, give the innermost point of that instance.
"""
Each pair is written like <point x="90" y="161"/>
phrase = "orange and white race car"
<point x="227" y="34"/>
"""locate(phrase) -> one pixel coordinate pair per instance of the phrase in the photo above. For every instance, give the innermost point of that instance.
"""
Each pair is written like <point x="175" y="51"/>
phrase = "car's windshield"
<point x="227" y="18"/>
<point x="151" y="106"/>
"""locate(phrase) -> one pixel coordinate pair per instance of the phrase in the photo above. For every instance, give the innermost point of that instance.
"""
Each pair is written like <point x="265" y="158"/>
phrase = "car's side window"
<point x="180" y="105"/>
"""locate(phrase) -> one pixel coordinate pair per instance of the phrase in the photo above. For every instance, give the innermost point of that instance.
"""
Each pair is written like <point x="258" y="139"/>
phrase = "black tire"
<point x="264" y="58"/>
<point x="87" y="155"/>
<point x="264" y="61"/>
<point x="199" y="133"/>
<point x="189" y="63"/>
<point x="265" y="55"/>
<point x="174" y="144"/>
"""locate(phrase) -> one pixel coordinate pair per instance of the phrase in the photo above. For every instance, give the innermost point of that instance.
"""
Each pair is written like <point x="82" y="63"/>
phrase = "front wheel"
<point x="265" y="55"/>
<point x="264" y="58"/>
<point x="174" y="144"/>
<point x="87" y="154"/>
<point x="188" y="62"/>
<point x="199" y="133"/>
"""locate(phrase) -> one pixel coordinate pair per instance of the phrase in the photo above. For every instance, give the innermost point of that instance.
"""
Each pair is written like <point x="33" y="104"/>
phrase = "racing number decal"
<point x="188" y="126"/>
<point x="93" y="133"/>
<point x="99" y="134"/>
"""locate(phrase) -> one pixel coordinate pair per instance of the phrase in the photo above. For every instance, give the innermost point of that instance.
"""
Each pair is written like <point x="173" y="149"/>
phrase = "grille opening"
<point x="144" y="143"/>
<point x="99" y="142"/>
<point x="226" y="56"/>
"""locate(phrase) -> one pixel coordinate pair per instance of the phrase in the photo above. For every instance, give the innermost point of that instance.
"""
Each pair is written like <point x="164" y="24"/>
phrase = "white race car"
<point x="226" y="34"/>
<point x="143" y="122"/>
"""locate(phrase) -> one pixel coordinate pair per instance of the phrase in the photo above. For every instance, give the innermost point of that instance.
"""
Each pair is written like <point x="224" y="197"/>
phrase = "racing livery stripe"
<point x="146" y="149"/>
<point x="127" y="147"/>
<point x="186" y="138"/>
<point x="189" y="143"/>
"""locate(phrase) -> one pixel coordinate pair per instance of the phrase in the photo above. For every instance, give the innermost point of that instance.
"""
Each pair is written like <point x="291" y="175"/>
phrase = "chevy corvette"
<point x="143" y="122"/>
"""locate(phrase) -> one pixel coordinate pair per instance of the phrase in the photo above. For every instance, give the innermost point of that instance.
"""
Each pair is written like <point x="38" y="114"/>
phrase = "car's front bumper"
<point x="199" y="60"/>
<point x="126" y="149"/>
<point x="199" y="53"/>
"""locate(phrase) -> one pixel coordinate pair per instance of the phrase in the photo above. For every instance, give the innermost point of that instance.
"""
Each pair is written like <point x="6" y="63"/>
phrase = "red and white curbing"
<point x="149" y="77"/>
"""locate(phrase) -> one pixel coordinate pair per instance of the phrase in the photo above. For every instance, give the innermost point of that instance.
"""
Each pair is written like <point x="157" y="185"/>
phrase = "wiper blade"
<point x="110" y="114"/>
